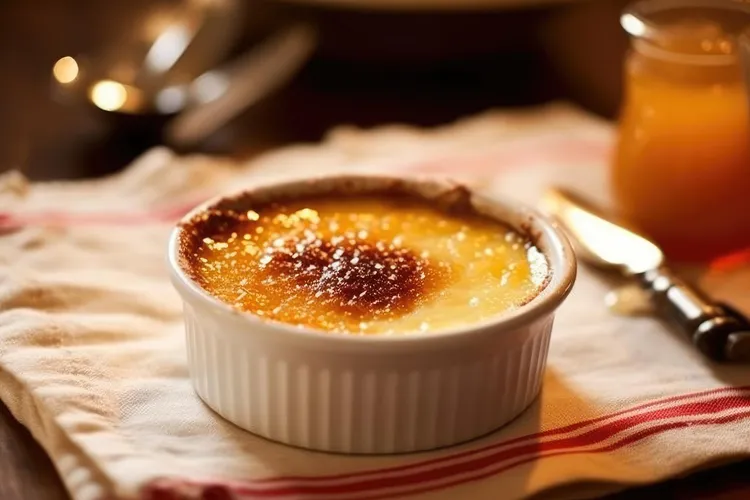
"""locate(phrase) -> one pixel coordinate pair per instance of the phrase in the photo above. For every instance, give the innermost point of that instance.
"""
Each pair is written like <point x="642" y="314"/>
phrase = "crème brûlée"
<point x="372" y="264"/>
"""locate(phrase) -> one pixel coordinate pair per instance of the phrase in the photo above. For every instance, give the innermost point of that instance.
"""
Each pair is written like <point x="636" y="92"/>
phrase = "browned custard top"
<point x="362" y="264"/>
<point x="352" y="274"/>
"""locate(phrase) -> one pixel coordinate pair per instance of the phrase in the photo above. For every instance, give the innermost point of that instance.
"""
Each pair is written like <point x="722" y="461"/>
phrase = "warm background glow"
<point x="65" y="70"/>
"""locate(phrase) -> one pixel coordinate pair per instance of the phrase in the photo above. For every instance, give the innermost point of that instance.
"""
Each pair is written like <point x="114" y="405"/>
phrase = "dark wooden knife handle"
<point x="719" y="331"/>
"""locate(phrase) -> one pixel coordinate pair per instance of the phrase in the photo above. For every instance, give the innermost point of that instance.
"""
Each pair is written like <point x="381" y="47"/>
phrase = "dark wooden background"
<point x="371" y="68"/>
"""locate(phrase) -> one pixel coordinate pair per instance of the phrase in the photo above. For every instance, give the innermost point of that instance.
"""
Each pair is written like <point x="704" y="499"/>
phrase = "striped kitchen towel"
<point x="92" y="354"/>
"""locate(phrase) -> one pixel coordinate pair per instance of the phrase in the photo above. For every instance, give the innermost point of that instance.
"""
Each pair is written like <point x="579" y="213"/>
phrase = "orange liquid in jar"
<point x="682" y="167"/>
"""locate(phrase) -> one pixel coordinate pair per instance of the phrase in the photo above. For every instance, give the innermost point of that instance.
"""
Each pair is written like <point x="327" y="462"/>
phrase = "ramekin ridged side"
<point x="362" y="402"/>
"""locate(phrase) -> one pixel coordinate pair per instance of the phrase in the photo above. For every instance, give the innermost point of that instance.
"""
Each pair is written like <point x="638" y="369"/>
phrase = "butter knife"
<point x="718" y="330"/>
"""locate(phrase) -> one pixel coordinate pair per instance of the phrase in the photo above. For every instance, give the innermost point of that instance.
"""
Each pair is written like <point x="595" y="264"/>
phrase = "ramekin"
<point x="373" y="394"/>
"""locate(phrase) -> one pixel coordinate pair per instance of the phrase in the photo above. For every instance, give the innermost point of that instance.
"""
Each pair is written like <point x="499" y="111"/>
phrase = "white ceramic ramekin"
<point x="369" y="393"/>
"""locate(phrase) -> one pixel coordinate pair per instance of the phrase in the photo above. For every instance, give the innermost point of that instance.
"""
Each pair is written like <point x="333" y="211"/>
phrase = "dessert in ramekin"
<point x="368" y="314"/>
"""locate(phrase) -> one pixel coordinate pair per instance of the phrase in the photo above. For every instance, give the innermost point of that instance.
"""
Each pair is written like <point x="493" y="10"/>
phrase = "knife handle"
<point x="719" y="331"/>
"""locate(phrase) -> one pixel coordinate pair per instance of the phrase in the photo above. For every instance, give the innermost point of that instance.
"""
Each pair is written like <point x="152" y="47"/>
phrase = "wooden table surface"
<point x="47" y="139"/>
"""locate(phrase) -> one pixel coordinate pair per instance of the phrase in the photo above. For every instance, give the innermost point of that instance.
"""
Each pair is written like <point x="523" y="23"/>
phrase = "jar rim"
<point x="636" y="21"/>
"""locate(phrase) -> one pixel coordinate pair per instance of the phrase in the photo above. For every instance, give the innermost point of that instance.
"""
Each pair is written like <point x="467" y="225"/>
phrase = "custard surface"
<point x="366" y="264"/>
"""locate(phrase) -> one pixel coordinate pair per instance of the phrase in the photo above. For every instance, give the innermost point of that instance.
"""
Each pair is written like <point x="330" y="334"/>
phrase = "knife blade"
<point x="718" y="330"/>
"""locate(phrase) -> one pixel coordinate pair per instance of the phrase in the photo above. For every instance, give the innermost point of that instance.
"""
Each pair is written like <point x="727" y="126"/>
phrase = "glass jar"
<point x="681" y="172"/>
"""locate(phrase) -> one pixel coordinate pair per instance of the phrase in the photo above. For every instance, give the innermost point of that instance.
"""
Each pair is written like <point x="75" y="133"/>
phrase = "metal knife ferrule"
<point x="719" y="331"/>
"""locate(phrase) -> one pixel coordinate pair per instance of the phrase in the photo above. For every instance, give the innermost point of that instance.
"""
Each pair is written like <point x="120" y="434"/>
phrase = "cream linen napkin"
<point x="92" y="356"/>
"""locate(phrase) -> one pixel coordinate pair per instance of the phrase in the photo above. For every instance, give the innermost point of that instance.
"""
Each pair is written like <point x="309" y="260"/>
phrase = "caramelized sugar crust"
<point x="361" y="264"/>
<point x="360" y="278"/>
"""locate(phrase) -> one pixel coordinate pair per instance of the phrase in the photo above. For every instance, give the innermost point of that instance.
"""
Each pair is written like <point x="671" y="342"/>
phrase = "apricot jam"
<point x="681" y="171"/>
<point x="363" y="264"/>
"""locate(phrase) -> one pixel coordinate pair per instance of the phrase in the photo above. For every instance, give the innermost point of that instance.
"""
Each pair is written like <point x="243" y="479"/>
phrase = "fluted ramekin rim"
<point x="557" y="250"/>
